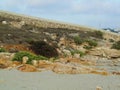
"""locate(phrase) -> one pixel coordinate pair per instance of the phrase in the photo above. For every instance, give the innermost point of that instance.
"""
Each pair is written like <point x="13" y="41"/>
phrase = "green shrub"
<point x="92" y="43"/>
<point x="78" y="40"/>
<point x="116" y="45"/>
<point x="2" y="50"/>
<point x="111" y="40"/>
<point x="98" y="34"/>
<point x="77" y="52"/>
<point x="19" y="55"/>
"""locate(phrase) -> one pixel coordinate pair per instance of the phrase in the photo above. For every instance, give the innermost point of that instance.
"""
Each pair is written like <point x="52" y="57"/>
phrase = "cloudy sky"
<point x="93" y="13"/>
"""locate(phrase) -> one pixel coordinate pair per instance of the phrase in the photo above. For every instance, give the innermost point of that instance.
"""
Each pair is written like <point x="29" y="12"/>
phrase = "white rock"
<point x="4" y="22"/>
<point x="35" y="62"/>
<point x="67" y="52"/>
<point x="25" y="59"/>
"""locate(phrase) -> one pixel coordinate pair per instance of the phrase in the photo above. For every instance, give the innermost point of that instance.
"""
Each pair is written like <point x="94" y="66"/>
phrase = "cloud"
<point x="75" y="11"/>
<point x="40" y="2"/>
<point x="96" y="6"/>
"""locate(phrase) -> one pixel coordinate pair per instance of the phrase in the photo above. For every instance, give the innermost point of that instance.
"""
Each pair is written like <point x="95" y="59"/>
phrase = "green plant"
<point x="111" y="40"/>
<point x="98" y="34"/>
<point x="78" y="40"/>
<point x="92" y="43"/>
<point x="77" y="52"/>
<point x="88" y="47"/>
<point x="116" y="45"/>
<point x="2" y="50"/>
<point x="19" y="55"/>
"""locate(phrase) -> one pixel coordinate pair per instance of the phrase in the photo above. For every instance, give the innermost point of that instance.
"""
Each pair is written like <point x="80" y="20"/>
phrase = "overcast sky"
<point x="93" y="13"/>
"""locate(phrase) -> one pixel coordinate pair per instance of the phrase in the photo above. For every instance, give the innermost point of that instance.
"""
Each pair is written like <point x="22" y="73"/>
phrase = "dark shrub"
<point x="116" y="45"/>
<point x="19" y="55"/>
<point x="44" y="49"/>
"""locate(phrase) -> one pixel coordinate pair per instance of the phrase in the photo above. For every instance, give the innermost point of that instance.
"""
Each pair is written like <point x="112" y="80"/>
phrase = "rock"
<point x="76" y="55"/>
<point x="105" y="52"/>
<point x="22" y="23"/>
<point x="27" y="68"/>
<point x="5" y="63"/>
<point x="25" y="59"/>
<point x="62" y="41"/>
<point x="6" y="55"/>
<point x="116" y="73"/>
<point x="53" y="36"/>
<point x="4" y="22"/>
<point x="67" y="52"/>
<point x="2" y="66"/>
<point x="98" y="88"/>
<point x="71" y="69"/>
<point x="45" y="65"/>
<point x="35" y="63"/>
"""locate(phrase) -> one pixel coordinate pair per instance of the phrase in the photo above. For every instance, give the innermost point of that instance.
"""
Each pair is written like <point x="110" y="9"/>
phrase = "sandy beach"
<point x="16" y="80"/>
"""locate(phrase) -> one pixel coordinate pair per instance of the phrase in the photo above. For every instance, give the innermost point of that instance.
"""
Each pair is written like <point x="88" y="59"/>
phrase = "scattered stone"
<point x="98" y="88"/>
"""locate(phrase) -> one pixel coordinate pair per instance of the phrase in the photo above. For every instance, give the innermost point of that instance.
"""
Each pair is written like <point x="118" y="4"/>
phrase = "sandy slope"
<point x="15" y="80"/>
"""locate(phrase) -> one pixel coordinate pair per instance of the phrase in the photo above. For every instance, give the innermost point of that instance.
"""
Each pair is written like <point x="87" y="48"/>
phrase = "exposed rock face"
<point x="105" y="52"/>
<point x="6" y="56"/>
<point x="27" y="68"/>
<point x="45" y="65"/>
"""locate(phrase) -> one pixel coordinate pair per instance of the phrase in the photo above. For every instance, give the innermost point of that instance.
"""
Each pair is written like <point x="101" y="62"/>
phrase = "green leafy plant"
<point x="116" y="45"/>
<point x="2" y="49"/>
<point x="19" y="55"/>
<point x="78" y="40"/>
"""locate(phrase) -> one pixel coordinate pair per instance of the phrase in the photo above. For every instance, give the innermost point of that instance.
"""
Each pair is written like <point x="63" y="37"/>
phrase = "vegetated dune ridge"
<point x="79" y="55"/>
<point x="78" y="49"/>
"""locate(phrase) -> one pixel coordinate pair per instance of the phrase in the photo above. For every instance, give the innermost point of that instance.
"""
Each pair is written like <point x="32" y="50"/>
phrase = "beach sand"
<point x="16" y="80"/>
